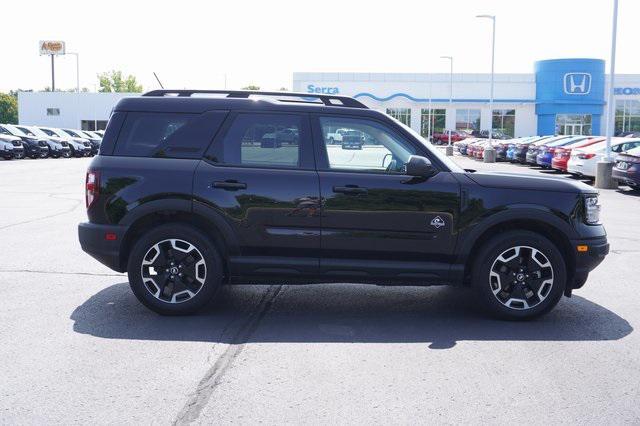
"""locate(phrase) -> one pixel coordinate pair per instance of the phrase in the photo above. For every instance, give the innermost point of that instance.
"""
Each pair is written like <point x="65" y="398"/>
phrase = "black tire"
<point x="212" y="279"/>
<point x="543" y="300"/>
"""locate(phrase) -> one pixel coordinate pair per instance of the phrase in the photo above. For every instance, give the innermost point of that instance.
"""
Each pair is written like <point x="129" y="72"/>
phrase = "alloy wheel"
<point x="173" y="270"/>
<point x="521" y="277"/>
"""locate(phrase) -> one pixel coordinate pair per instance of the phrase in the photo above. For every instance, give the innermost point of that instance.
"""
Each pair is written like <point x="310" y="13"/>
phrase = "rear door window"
<point x="264" y="140"/>
<point x="170" y="135"/>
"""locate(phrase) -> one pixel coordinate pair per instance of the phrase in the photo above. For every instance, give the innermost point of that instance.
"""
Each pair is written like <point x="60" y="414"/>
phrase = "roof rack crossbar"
<point x="328" y="100"/>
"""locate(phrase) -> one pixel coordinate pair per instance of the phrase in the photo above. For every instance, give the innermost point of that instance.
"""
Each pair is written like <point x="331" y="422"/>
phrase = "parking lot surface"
<point x="77" y="347"/>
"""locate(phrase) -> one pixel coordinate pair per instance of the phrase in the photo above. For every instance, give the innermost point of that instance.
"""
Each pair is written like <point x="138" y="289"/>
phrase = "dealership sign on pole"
<point x="52" y="48"/>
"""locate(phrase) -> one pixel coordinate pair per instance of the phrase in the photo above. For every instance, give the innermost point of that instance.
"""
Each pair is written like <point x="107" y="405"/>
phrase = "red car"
<point x="443" y="138"/>
<point x="562" y="153"/>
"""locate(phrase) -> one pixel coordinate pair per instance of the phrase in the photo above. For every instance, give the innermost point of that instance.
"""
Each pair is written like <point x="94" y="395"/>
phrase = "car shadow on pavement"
<point x="437" y="316"/>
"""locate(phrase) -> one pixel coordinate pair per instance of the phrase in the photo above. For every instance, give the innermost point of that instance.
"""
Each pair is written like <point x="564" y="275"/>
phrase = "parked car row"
<point x="21" y="141"/>
<point x="574" y="154"/>
<point x="442" y="138"/>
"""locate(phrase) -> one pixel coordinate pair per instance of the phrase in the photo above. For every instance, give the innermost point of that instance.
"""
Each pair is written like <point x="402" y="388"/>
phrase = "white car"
<point x="337" y="136"/>
<point x="583" y="160"/>
<point x="80" y="147"/>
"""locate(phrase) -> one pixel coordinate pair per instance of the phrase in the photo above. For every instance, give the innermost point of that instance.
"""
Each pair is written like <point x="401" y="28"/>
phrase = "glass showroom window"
<point x="467" y="119"/>
<point x="573" y="124"/>
<point x="437" y="121"/>
<point x="504" y="120"/>
<point x="403" y="115"/>
<point x="93" y="124"/>
<point x="627" y="116"/>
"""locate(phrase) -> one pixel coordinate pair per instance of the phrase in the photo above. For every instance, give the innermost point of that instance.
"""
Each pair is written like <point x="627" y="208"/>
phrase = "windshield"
<point x="446" y="160"/>
<point x="63" y="133"/>
<point x="34" y="131"/>
<point x="72" y="133"/>
<point x="16" y="131"/>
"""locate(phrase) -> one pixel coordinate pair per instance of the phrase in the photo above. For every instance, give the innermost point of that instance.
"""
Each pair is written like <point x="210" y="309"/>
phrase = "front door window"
<point x="365" y="145"/>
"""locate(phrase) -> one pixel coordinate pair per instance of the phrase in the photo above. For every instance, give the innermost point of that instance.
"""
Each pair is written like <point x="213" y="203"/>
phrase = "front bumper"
<point x="93" y="240"/>
<point x="587" y="261"/>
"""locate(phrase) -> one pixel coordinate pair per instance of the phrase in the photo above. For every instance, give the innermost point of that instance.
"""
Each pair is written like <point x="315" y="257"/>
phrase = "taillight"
<point x="92" y="187"/>
<point x="586" y="156"/>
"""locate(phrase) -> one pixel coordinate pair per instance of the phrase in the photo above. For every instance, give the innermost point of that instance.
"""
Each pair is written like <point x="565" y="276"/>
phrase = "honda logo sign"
<point x="577" y="83"/>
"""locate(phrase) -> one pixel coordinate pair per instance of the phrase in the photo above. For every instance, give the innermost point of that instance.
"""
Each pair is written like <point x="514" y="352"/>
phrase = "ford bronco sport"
<point x="185" y="196"/>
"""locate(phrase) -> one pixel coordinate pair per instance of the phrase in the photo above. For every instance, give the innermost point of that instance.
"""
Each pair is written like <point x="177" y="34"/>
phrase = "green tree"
<point x="251" y="87"/>
<point x="8" y="109"/>
<point x="114" y="81"/>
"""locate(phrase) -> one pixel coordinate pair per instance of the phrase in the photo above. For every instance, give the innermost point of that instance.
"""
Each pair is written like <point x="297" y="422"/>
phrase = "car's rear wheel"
<point x="520" y="275"/>
<point x="174" y="270"/>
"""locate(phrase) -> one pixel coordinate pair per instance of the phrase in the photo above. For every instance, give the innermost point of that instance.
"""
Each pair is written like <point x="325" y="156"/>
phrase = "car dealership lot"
<point x="78" y="347"/>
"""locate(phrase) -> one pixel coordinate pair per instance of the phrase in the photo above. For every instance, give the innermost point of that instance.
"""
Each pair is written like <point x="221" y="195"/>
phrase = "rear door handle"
<point x="350" y="189"/>
<point x="230" y="185"/>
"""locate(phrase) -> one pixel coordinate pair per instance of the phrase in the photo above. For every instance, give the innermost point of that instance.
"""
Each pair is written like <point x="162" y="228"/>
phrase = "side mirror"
<point x="420" y="166"/>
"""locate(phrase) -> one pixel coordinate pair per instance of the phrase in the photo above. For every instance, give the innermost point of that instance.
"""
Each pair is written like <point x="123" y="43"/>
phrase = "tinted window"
<point x="268" y="140"/>
<point x="375" y="148"/>
<point x="171" y="135"/>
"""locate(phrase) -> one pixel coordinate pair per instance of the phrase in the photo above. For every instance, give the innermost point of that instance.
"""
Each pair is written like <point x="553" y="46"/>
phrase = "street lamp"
<point x="490" y="153"/>
<point x="604" y="168"/>
<point x="77" y="55"/>
<point x="449" y="149"/>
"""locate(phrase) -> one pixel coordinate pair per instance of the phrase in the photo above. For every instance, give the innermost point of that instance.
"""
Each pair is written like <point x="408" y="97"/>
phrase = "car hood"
<point x="530" y="183"/>
<point x="9" y="138"/>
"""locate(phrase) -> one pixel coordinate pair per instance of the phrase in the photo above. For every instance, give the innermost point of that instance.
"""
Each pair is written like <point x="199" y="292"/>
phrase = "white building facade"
<point x="86" y="111"/>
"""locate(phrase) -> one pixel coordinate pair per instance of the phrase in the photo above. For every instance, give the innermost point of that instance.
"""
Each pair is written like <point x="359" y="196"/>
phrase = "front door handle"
<point x="350" y="189"/>
<point x="230" y="185"/>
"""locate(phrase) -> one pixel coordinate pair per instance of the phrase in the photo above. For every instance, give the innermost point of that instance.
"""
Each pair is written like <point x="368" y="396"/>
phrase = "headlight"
<point x="592" y="210"/>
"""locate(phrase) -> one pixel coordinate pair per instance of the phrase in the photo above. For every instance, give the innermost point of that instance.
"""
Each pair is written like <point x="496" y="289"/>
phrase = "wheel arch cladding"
<point x="209" y="228"/>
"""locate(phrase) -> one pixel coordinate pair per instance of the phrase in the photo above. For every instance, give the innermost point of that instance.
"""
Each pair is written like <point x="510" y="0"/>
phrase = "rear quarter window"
<point x="167" y="135"/>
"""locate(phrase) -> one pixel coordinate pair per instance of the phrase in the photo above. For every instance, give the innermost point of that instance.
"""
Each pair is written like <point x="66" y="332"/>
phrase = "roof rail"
<point x="328" y="100"/>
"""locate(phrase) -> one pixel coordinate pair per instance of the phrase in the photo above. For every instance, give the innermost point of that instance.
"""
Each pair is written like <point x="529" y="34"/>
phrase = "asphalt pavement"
<point x="77" y="347"/>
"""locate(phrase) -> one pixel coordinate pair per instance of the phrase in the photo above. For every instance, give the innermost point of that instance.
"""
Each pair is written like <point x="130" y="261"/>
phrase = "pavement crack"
<point x="213" y="377"/>
<point x="36" y="271"/>
<point x="67" y="211"/>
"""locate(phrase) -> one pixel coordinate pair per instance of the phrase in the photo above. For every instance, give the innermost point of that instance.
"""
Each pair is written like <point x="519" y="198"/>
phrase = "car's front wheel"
<point x="519" y="274"/>
<point x="174" y="270"/>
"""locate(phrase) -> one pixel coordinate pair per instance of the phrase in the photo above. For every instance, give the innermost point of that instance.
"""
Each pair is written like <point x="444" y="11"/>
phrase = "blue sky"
<point x="195" y="43"/>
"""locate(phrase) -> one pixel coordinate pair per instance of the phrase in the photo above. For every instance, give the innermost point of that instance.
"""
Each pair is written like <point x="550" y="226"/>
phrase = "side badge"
<point x="437" y="222"/>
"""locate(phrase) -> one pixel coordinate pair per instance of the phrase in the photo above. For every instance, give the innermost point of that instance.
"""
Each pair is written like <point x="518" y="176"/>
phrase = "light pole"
<point x="449" y="149"/>
<point x="429" y="114"/>
<point x="489" y="152"/>
<point x="604" y="168"/>
<point x="77" y="55"/>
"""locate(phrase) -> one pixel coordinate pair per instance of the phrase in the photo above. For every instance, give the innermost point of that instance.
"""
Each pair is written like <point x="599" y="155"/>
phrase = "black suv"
<point x="185" y="197"/>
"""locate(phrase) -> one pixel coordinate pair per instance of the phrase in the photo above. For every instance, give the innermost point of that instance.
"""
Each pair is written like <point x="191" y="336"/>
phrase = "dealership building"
<point x="561" y="96"/>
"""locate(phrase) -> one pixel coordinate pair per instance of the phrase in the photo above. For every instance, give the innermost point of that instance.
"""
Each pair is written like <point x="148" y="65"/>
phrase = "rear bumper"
<point x="587" y="261"/>
<point x="559" y="164"/>
<point x="631" y="179"/>
<point x="94" y="242"/>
